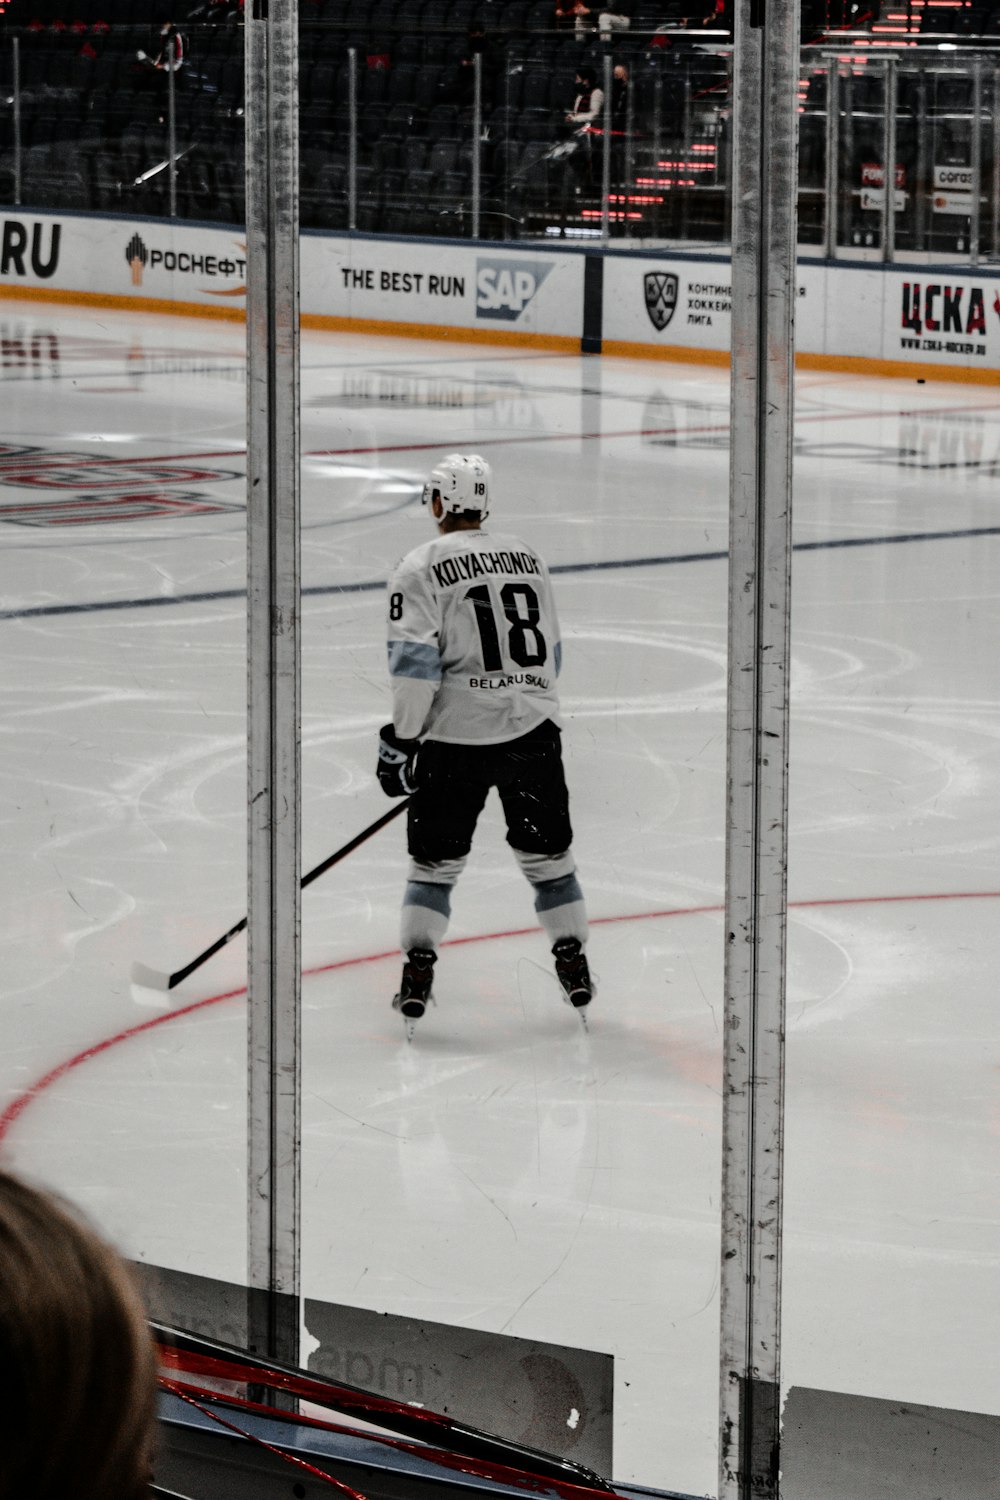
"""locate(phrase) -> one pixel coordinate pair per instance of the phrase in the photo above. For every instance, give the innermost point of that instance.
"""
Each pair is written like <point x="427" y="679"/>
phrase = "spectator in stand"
<point x="78" y="1414"/>
<point x="168" y="61"/>
<point x="588" y="104"/>
<point x="619" y="19"/>
<point x="465" y="84"/>
<point x="173" y="48"/>
<point x="717" y="16"/>
<point x="574" y="13"/>
<point x="588" y="110"/>
<point x="620" y="86"/>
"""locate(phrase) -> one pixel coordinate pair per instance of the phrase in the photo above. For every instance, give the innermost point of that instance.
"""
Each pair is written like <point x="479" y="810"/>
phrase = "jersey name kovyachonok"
<point x="473" y="639"/>
<point x="451" y="570"/>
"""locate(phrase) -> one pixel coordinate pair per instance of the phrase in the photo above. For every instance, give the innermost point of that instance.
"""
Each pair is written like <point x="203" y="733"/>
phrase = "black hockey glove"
<point x="397" y="759"/>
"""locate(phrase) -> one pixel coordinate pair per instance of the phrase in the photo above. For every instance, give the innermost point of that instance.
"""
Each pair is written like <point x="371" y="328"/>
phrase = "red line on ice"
<point x="21" y="1101"/>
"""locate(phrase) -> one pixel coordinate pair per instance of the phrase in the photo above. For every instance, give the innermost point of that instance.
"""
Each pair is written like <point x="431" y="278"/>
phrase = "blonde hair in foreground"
<point x="78" y="1408"/>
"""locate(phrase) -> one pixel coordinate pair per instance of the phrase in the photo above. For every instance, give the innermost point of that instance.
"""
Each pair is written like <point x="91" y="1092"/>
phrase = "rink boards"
<point x="877" y="319"/>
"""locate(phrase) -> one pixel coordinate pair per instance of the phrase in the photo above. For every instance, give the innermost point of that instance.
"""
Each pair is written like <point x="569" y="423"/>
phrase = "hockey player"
<point x="474" y="652"/>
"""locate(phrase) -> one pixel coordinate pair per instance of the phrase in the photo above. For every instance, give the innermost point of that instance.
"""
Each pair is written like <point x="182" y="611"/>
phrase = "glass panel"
<point x="817" y="99"/>
<point x="103" y="118"/>
<point x="501" y="1247"/>
<point x="888" y="1258"/>
<point x="418" y="138"/>
<point x="949" y="120"/>
<point x="122" y="508"/>
<point x="508" y="1218"/>
<point x="945" y="162"/>
<point x="518" y="1189"/>
<point x="540" y="175"/>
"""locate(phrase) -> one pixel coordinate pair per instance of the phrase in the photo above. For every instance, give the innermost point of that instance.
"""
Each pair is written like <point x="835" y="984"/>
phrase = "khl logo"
<point x="505" y="287"/>
<point x="660" y="289"/>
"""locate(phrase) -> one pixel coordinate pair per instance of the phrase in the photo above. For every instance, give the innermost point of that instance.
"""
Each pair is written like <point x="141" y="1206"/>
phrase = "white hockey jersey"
<point x="474" y="647"/>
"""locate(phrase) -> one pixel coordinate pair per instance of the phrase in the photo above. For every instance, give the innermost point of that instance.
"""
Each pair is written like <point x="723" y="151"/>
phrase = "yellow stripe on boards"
<point x="11" y="292"/>
<point x="891" y="369"/>
<point x="509" y="336"/>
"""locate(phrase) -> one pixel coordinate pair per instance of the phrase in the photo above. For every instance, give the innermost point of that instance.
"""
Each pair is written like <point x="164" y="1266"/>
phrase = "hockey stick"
<point x="152" y="979"/>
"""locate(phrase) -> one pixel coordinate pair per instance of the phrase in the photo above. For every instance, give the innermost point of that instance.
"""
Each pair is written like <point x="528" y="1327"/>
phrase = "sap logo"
<point x="15" y="258"/>
<point x="505" y="287"/>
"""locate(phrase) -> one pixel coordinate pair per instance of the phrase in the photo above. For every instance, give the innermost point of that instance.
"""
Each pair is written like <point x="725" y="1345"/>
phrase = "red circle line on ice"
<point x="17" y="1106"/>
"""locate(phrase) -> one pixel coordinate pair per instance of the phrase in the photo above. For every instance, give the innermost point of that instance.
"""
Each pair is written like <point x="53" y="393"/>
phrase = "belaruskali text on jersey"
<point x="511" y="679"/>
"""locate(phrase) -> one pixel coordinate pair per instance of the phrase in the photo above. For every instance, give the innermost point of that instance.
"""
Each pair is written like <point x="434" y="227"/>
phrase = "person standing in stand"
<point x="585" y="117"/>
<point x="170" y="59"/>
<point x="588" y="103"/>
<point x="171" y="56"/>
<point x="474" y="652"/>
<point x="618" y="18"/>
<point x="576" y="14"/>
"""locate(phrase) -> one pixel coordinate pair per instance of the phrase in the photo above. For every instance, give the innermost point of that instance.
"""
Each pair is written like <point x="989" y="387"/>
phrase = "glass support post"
<point x="606" y="153"/>
<point x="831" y="200"/>
<point x="273" y="680"/>
<point x="764" y="281"/>
<point x="506" y="154"/>
<point x="172" y="123"/>
<point x="922" y="186"/>
<point x="936" y="139"/>
<point x="18" y="132"/>
<point x="996" y="164"/>
<point x="629" y="157"/>
<point x="727" y="158"/>
<point x="889" y="162"/>
<point x="352" y="138"/>
<point x="477" y="143"/>
<point x="684" y="152"/>
<point x="976" y="152"/>
<point x="845" y="208"/>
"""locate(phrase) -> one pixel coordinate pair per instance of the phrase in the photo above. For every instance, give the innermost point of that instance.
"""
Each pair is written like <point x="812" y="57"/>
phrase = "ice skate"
<point x="573" y="973"/>
<point x="415" y="987"/>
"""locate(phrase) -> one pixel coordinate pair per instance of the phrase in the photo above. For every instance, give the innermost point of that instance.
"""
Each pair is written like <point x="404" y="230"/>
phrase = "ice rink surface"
<point x="507" y="1171"/>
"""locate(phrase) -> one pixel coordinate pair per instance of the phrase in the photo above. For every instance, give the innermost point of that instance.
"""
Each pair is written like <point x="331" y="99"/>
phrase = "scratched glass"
<point x="122" y="507"/>
<point x="889" y="1322"/>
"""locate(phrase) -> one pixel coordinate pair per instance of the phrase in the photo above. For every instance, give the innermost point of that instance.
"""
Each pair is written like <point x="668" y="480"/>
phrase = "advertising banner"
<point x="667" y="302"/>
<point x="686" y="303"/>
<point x="932" y="315"/>
<point x="435" y="284"/>
<point x="518" y="1388"/>
<point x="443" y="285"/>
<point x="952" y="203"/>
<point x="670" y="304"/>
<point x="159" y="259"/>
<point x="920" y="315"/>
<point x="955" y="179"/>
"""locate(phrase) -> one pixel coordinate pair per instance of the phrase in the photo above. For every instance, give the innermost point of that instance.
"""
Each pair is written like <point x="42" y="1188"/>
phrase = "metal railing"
<point x="933" y="122"/>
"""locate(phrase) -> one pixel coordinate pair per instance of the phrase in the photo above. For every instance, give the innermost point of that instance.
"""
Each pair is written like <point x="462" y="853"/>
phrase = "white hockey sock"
<point x="424" y="918"/>
<point x="565" y="921"/>
<point x="561" y="908"/>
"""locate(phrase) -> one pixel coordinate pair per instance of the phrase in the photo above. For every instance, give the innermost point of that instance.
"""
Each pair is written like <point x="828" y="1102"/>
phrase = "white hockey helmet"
<point x="463" y="482"/>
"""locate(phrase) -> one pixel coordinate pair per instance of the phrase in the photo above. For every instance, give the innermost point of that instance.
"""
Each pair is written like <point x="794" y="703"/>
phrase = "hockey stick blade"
<point x="153" y="979"/>
<point x="149" y="979"/>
